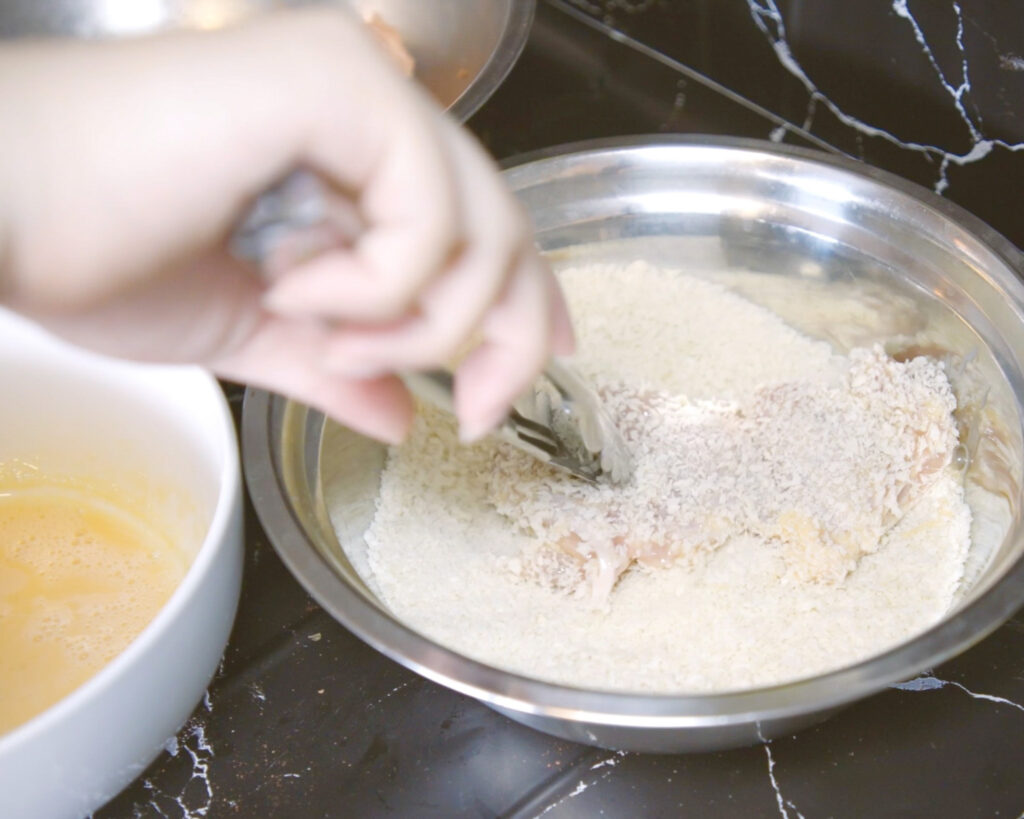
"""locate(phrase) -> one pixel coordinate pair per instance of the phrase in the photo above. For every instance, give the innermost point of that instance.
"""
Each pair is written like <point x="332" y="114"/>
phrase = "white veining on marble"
<point x="784" y="804"/>
<point x="920" y="684"/>
<point x="981" y="146"/>
<point x="608" y="7"/>
<point x="957" y="92"/>
<point x="929" y="683"/>
<point x="768" y="18"/>
<point x="137" y="812"/>
<point x="579" y="12"/>
<point x="608" y="762"/>
<point x="390" y="694"/>
<point x="192" y="740"/>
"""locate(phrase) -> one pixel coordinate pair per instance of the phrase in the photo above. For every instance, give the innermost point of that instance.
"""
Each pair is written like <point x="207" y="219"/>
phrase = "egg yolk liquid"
<point x="80" y="578"/>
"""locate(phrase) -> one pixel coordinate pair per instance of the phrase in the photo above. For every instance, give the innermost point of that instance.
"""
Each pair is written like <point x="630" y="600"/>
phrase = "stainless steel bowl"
<point x="745" y="212"/>
<point x="463" y="48"/>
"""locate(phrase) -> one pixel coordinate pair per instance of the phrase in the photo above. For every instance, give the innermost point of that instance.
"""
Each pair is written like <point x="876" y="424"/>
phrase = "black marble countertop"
<point x="304" y="720"/>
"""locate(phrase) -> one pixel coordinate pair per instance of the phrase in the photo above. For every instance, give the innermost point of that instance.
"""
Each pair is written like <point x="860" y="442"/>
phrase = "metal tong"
<point x="559" y="421"/>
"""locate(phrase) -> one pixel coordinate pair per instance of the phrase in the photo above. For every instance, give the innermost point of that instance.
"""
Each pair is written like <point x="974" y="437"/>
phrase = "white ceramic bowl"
<point x="82" y="414"/>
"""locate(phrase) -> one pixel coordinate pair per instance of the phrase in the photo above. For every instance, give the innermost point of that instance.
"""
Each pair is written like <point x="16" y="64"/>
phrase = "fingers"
<point x="453" y="305"/>
<point x="497" y="288"/>
<point x="443" y="252"/>
<point x="210" y="314"/>
<point x="286" y="356"/>
<point x="201" y="311"/>
<point x="563" y="339"/>
<point x="243" y="342"/>
<point x="381" y="141"/>
<point x="414" y="227"/>
<point x="516" y="345"/>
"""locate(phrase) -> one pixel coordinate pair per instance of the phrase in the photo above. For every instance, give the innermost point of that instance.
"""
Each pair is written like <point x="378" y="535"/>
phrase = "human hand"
<point x="126" y="166"/>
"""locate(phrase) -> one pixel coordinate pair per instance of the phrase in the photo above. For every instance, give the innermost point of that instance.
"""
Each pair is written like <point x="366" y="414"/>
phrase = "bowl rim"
<point x="511" y="42"/>
<point x="504" y="689"/>
<point x="216" y="539"/>
<point x="1010" y="253"/>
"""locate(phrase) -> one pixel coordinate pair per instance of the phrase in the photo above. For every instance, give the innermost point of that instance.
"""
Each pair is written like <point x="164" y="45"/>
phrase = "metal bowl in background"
<point x="463" y="48"/>
<point x="734" y="210"/>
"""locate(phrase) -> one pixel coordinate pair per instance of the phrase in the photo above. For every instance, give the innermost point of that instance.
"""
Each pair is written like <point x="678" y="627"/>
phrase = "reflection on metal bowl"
<point x="758" y="213"/>
<point x="463" y="49"/>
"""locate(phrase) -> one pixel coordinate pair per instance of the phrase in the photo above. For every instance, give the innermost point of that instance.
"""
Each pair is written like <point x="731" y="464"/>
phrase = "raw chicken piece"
<point x="822" y="469"/>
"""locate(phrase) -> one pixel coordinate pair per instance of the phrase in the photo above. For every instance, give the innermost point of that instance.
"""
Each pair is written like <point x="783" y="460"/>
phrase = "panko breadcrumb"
<point x="794" y="510"/>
